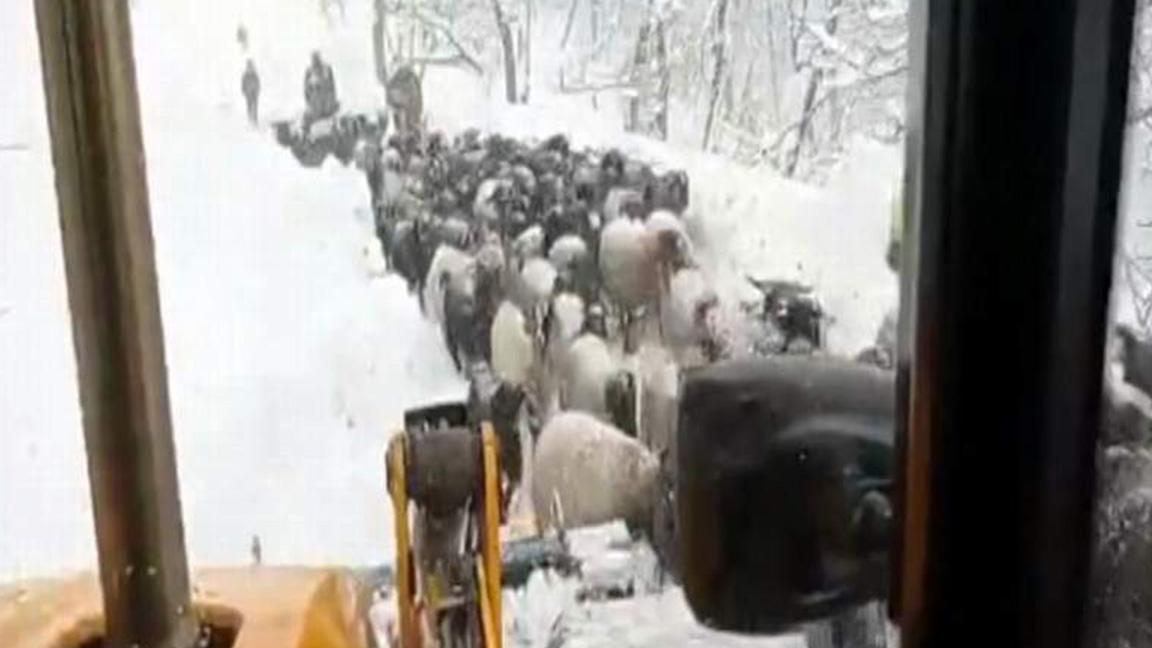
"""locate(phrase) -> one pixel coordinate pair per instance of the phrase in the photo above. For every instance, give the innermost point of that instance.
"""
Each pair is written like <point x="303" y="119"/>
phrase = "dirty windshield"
<point x="555" y="322"/>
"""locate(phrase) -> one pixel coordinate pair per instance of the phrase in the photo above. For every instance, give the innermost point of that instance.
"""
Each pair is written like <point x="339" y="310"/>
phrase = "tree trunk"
<point x="640" y="75"/>
<point x="728" y="101"/>
<point x="773" y="59"/>
<point x="665" y="77"/>
<point x="529" y="16"/>
<point x="568" y="22"/>
<point x="747" y="118"/>
<point x="648" y="110"/>
<point x="804" y="130"/>
<point x="411" y="33"/>
<point x="595" y="16"/>
<point x="805" y="122"/>
<point x="509" y="47"/>
<point x="720" y="70"/>
<point x="379" y="42"/>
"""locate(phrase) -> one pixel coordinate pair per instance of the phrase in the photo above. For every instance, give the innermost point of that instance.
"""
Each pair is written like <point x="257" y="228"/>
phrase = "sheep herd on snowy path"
<point x="570" y="294"/>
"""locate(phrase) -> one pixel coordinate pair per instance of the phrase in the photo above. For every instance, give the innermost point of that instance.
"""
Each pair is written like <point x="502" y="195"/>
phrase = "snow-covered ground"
<point x="45" y="518"/>
<point x="289" y="364"/>
<point x="290" y="360"/>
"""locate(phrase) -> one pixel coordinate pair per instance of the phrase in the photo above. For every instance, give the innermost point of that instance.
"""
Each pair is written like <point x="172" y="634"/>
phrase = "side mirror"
<point x="782" y="490"/>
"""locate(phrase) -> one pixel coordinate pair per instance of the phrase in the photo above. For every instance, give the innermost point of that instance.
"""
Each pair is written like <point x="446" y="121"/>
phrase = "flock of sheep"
<point x="568" y="291"/>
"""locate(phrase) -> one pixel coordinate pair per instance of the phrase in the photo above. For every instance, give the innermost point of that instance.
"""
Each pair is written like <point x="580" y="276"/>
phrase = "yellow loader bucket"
<point x="261" y="607"/>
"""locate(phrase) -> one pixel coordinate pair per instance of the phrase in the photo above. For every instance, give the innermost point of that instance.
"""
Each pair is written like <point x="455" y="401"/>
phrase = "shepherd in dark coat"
<point x="250" y="86"/>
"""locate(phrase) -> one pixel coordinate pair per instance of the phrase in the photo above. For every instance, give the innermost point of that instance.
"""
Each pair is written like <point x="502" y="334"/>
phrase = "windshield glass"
<point x="596" y="224"/>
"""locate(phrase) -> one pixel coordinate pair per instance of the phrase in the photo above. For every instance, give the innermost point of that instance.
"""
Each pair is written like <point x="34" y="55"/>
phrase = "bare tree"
<point x="509" y="52"/>
<point x="648" y="107"/>
<point x="1140" y="100"/>
<point x="594" y="17"/>
<point x="568" y="23"/>
<point x="380" y="40"/>
<point x="1135" y="263"/>
<point x="529" y="19"/>
<point x="815" y="78"/>
<point x="720" y="66"/>
<point x="411" y="40"/>
<point x="431" y="21"/>
<point x="662" y="76"/>
<point x="786" y="82"/>
<point x="850" y="57"/>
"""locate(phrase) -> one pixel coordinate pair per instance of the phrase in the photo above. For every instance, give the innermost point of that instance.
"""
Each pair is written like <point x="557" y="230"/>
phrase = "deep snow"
<point x="45" y="519"/>
<point x="289" y="364"/>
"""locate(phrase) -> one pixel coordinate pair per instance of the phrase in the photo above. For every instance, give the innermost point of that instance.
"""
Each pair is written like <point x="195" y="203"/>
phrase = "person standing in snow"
<point x="406" y="100"/>
<point x="242" y="36"/>
<point x="250" y="86"/>
<point x="257" y="551"/>
<point x="312" y="82"/>
<point x="319" y="90"/>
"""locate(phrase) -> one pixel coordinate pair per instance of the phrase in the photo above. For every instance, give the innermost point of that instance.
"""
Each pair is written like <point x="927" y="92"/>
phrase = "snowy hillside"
<point x="290" y="365"/>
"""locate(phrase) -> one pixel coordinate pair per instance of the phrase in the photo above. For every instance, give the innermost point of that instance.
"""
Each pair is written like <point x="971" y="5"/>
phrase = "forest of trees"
<point x="779" y="82"/>
<point x="787" y="83"/>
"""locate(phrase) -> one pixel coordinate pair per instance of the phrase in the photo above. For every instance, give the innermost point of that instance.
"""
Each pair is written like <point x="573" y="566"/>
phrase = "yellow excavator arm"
<point x="245" y="607"/>
<point x="419" y="595"/>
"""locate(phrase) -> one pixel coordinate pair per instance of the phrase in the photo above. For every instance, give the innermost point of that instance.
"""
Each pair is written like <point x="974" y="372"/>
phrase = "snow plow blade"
<point x="254" y="607"/>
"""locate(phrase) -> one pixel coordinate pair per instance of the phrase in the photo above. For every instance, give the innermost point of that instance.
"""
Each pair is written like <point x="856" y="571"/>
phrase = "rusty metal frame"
<point x="97" y="147"/>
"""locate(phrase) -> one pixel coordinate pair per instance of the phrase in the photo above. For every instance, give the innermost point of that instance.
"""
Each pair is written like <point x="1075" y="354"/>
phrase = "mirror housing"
<point x="782" y="490"/>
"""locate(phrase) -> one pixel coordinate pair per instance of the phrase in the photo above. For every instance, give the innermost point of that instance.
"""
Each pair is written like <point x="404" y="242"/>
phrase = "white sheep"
<point x="459" y="267"/>
<point x="619" y="202"/>
<point x="513" y="350"/>
<point x="585" y="374"/>
<point x="529" y="244"/>
<point x="658" y="403"/>
<point x="587" y="472"/>
<point x="567" y="252"/>
<point x="537" y="280"/>
<point x="629" y="263"/>
<point x="672" y="232"/>
<point x="567" y="322"/>
<point x="686" y="311"/>
<point x="484" y="207"/>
